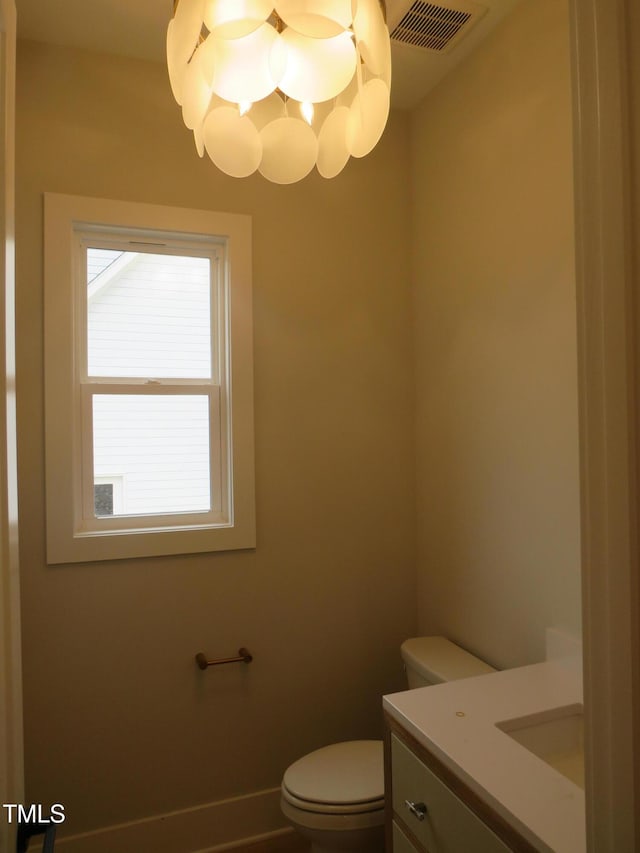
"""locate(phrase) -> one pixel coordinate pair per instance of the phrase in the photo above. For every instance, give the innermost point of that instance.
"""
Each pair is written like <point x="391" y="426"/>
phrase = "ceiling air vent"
<point x="435" y="27"/>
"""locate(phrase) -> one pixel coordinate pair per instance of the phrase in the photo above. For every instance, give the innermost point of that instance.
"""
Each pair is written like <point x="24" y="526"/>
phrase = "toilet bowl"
<point x="334" y="797"/>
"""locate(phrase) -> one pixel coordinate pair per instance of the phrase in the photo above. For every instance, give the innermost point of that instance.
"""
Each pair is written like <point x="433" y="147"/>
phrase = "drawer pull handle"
<point x="418" y="810"/>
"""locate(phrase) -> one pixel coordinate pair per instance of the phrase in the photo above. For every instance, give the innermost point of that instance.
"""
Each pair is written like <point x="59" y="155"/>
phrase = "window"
<point x="147" y="342"/>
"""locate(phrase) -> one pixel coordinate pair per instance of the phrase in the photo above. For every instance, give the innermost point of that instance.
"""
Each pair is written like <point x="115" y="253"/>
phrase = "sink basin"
<point x="555" y="736"/>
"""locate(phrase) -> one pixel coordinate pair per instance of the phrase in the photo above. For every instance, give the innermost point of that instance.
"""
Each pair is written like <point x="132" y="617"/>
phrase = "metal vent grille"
<point x="430" y="26"/>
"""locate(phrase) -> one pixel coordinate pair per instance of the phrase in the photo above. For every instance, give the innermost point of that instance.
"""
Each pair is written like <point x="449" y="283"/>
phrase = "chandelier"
<point x="279" y="90"/>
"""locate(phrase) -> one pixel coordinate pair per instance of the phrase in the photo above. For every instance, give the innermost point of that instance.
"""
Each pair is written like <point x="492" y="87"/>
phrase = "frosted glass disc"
<point x="207" y="51"/>
<point x="232" y="19"/>
<point x="316" y="18"/>
<point x="242" y="68"/>
<point x="278" y="59"/>
<point x="232" y="142"/>
<point x="319" y="112"/>
<point x="345" y="98"/>
<point x="386" y="65"/>
<point x="198" y="139"/>
<point x="290" y="149"/>
<point x="372" y="36"/>
<point x="332" y="143"/>
<point x="317" y="69"/>
<point x="367" y="117"/>
<point x="176" y="65"/>
<point x="196" y="94"/>
<point x="266" y="110"/>
<point x="187" y="24"/>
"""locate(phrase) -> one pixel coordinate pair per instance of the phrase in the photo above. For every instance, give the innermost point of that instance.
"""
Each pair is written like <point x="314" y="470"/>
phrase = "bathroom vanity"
<point x="488" y="764"/>
<point x="432" y="811"/>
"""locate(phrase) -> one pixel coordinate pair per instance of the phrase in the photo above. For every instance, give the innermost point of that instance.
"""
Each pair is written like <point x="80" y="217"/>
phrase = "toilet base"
<point x="331" y="833"/>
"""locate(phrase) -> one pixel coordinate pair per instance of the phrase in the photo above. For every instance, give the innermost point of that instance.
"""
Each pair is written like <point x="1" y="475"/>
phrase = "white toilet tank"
<point x="432" y="660"/>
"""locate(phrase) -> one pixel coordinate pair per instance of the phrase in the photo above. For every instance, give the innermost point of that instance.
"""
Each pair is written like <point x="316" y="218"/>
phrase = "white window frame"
<point x="74" y="534"/>
<point x="212" y="387"/>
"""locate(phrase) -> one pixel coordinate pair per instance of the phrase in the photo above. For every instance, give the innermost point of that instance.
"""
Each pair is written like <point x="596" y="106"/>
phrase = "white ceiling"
<point x="137" y="28"/>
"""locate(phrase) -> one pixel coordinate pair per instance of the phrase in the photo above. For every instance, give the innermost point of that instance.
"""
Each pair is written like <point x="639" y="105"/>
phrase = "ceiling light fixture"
<point x="281" y="89"/>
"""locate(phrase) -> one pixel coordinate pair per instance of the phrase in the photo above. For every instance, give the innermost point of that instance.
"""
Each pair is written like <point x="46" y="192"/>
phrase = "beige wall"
<point x="495" y="339"/>
<point x="119" y="723"/>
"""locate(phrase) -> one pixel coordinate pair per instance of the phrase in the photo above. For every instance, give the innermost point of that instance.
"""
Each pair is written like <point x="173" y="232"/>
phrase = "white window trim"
<point x="68" y="540"/>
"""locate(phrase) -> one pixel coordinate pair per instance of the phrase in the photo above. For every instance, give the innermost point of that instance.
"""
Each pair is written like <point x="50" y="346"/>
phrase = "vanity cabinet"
<point x="429" y="810"/>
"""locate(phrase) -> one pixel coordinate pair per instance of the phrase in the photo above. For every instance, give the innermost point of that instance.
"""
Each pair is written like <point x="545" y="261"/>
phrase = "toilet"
<point x="334" y="797"/>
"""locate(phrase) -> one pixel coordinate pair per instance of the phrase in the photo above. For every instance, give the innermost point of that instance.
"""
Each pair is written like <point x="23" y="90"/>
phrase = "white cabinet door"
<point x="438" y="819"/>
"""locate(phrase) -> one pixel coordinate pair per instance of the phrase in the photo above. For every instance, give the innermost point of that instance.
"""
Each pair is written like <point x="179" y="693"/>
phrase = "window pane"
<point x="148" y="315"/>
<point x="158" y="446"/>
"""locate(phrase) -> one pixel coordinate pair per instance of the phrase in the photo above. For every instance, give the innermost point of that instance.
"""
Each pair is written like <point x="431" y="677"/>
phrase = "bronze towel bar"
<point x="244" y="656"/>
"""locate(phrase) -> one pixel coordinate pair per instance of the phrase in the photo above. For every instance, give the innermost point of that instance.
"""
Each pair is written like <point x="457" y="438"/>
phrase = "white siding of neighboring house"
<point x="151" y="320"/>
<point x="99" y="260"/>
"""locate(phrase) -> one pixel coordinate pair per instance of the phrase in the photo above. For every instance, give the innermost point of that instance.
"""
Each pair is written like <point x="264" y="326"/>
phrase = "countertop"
<point x="456" y="722"/>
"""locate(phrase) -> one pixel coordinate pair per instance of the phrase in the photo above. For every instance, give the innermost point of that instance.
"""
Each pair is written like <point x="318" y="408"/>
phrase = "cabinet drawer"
<point x="448" y="825"/>
<point x="401" y="843"/>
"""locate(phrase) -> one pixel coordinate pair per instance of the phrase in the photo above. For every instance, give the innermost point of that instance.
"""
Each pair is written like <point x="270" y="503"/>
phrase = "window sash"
<point x="127" y="240"/>
<point x="87" y="523"/>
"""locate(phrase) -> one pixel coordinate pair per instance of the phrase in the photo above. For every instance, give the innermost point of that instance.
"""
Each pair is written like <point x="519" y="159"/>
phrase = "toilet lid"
<point x="340" y="774"/>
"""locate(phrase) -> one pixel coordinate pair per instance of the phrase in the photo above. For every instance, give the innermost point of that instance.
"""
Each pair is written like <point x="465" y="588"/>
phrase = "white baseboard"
<point x="223" y="825"/>
<point x="278" y="841"/>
